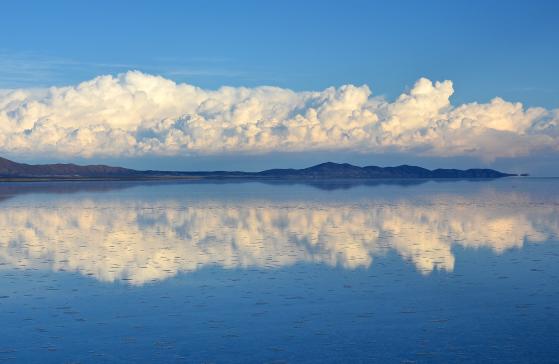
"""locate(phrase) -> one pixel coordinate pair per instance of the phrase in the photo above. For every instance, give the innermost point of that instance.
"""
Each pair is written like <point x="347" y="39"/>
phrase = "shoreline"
<point x="247" y="179"/>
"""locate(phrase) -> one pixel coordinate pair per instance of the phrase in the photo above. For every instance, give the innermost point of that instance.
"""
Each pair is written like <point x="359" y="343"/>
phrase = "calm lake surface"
<point x="452" y="271"/>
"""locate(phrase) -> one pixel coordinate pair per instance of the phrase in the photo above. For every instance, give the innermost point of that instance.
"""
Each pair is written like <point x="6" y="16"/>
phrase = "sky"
<point x="252" y="84"/>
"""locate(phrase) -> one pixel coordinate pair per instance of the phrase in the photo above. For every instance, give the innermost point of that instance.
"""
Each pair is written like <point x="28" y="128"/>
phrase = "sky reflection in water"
<point x="314" y="245"/>
<point x="139" y="239"/>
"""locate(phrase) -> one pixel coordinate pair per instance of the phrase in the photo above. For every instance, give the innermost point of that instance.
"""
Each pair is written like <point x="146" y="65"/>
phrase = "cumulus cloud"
<point x="134" y="114"/>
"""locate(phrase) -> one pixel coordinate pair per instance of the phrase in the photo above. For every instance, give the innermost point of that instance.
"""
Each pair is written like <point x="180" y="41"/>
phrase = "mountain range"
<point x="329" y="170"/>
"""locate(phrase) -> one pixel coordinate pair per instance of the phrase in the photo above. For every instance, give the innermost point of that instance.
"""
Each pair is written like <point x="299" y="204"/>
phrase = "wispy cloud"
<point x="26" y="69"/>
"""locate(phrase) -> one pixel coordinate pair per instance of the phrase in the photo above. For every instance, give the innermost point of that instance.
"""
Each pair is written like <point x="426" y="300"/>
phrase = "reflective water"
<point x="250" y="272"/>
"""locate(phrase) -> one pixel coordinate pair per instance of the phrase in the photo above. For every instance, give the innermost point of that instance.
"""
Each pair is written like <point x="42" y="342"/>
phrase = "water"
<point x="452" y="271"/>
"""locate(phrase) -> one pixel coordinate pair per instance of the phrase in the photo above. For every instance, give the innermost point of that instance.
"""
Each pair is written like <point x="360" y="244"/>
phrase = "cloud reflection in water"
<point x="139" y="242"/>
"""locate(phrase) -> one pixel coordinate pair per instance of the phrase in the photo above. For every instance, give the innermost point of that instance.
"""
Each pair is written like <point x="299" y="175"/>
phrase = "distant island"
<point x="10" y="170"/>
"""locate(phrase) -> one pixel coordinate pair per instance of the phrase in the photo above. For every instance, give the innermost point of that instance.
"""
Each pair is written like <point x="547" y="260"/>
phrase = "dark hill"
<point x="10" y="169"/>
<point x="345" y="170"/>
<point x="329" y="170"/>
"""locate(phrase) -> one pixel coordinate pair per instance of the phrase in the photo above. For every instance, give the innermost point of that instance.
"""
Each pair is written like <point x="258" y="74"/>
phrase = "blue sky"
<point x="487" y="48"/>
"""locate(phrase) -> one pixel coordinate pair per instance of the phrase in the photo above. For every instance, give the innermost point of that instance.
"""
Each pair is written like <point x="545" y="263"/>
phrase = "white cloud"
<point x="139" y="114"/>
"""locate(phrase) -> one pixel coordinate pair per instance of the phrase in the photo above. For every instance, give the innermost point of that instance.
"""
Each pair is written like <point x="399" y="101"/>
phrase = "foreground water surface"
<point x="422" y="271"/>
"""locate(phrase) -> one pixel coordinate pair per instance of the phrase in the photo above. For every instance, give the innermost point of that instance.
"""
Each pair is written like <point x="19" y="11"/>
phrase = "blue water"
<point x="421" y="272"/>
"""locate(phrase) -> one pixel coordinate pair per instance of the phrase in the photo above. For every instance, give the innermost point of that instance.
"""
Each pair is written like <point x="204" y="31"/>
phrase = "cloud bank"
<point x="136" y="114"/>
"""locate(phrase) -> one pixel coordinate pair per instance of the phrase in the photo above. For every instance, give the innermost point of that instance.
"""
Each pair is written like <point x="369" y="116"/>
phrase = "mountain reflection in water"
<point x="140" y="239"/>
